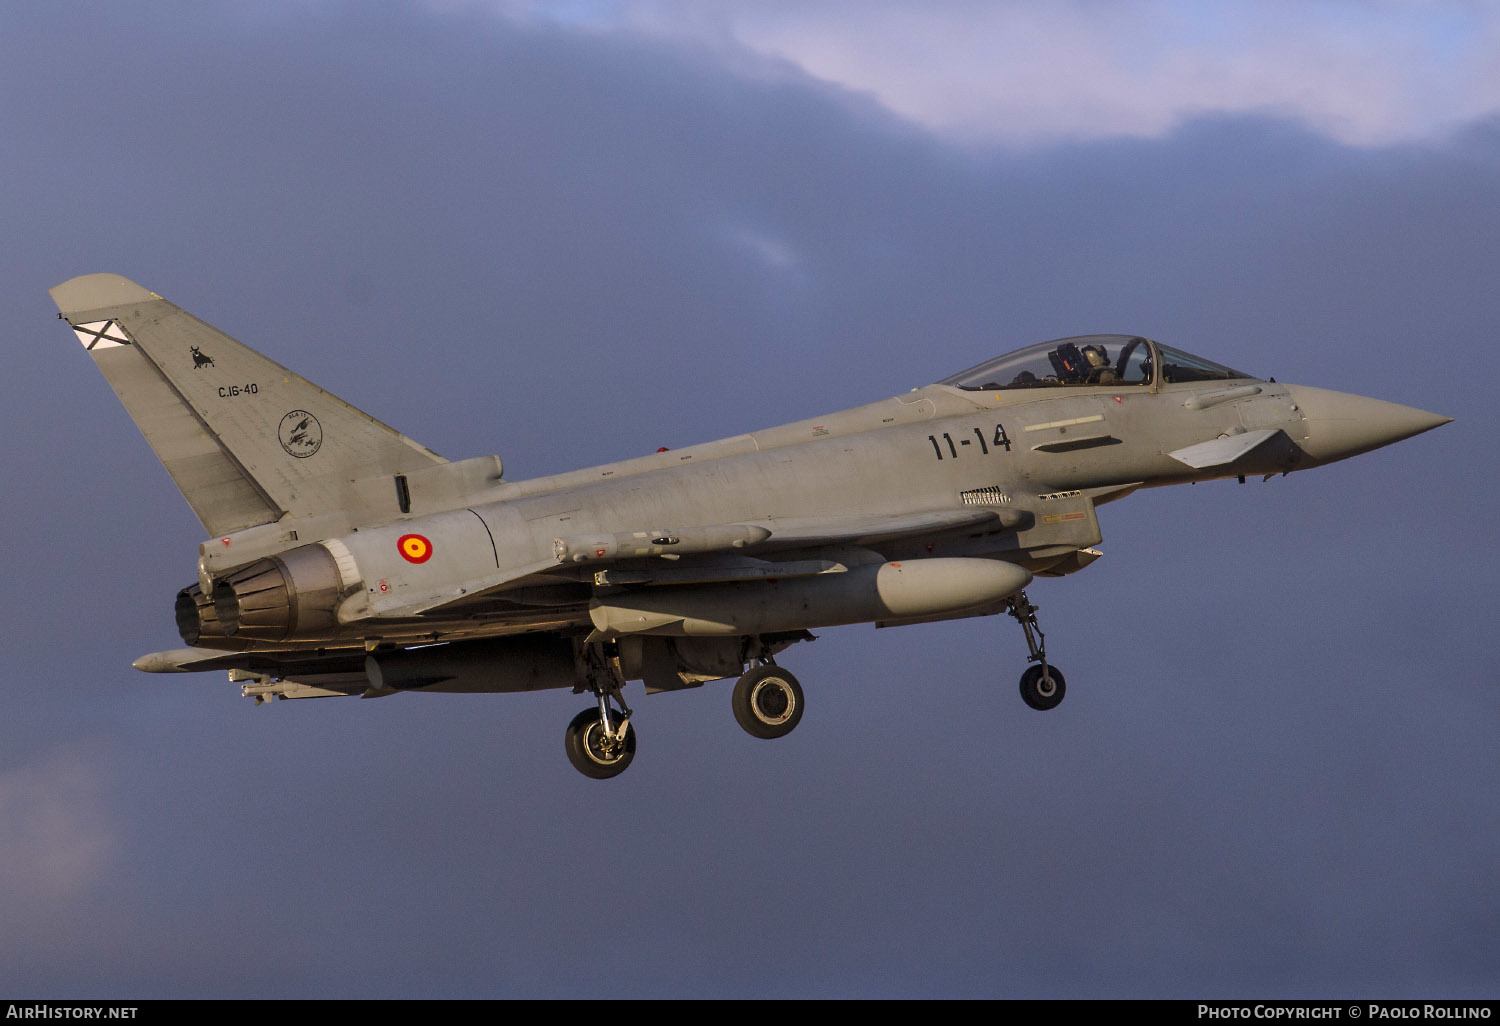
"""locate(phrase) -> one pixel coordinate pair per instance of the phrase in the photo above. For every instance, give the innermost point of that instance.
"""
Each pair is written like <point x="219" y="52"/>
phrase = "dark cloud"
<point x="1272" y="775"/>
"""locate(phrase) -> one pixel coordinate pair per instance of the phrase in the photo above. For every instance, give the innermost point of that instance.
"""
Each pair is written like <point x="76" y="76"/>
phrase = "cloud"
<point x="766" y="248"/>
<point x="1021" y="74"/>
<point x="54" y="839"/>
<point x="57" y="840"/>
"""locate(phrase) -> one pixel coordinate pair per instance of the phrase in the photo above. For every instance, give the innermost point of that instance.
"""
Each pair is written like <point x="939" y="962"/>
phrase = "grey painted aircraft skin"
<point x="343" y="558"/>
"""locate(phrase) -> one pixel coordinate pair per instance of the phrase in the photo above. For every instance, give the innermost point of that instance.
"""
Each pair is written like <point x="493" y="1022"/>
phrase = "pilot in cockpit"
<point x="1100" y="370"/>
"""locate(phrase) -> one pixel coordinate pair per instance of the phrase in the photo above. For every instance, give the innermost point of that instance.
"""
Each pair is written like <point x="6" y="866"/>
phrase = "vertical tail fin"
<point x="246" y="440"/>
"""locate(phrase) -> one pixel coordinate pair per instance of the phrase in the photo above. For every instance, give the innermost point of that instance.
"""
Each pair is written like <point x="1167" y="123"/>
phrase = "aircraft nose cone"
<point x="1340" y="425"/>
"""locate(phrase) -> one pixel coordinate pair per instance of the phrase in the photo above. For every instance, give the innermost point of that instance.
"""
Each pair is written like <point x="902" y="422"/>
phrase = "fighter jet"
<point x="343" y="558"/>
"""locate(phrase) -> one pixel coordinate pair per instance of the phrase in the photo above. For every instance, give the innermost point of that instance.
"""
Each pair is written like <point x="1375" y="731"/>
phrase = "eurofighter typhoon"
<point x="344" y="558"/>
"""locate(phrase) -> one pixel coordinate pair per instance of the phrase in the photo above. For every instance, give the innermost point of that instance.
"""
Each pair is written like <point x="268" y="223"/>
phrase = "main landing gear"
<point x="600" y="742"/>
<point x="767" y="701"/>
<point x="1042" y="686"/>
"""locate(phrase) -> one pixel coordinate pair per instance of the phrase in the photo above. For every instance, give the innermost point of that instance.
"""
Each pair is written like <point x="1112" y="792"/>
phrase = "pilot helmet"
<point x="1097" y="356"/>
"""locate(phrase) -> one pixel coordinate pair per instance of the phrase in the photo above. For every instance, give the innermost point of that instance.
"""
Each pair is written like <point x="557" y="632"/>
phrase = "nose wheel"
<point x="1042" y="686"/>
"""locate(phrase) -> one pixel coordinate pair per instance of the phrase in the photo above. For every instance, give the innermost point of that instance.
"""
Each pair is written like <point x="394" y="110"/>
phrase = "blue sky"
<point x="574" y="237"/>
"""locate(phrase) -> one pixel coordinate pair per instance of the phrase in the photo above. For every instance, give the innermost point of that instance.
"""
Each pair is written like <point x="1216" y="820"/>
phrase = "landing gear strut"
<point x="1042" y="686"/>
<point x="601" y="742"/>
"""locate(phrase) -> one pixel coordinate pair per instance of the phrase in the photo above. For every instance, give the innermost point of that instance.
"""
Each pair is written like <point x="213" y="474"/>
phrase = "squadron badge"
<point x="300" y="433"/>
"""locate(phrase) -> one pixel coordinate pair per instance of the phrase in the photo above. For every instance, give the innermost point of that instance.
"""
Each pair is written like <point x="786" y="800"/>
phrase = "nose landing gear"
<point x="1042" y="686"/>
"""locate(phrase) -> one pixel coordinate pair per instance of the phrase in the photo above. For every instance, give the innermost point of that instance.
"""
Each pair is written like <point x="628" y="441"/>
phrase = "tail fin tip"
<point x="96" y="292"/>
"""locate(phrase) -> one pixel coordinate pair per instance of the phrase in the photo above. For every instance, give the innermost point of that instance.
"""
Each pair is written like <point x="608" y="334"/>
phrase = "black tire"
<point x="588" y="755"/>
<point x="1042" y="694"/>
<point x="768" y="702"/>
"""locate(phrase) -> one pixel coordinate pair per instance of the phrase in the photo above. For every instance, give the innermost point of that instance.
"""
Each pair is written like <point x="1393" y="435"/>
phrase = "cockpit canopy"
<point x="1113" y="360"/>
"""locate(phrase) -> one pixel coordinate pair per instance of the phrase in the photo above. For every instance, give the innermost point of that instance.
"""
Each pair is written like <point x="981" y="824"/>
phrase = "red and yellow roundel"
<point x="414" y="548"/>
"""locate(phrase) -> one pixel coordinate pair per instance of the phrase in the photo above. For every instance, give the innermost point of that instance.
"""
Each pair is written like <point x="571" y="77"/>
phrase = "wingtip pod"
<point x="90" y="292"/>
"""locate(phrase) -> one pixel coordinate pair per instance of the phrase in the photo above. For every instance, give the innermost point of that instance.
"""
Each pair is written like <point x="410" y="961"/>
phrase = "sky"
<point x="570" y="233"/>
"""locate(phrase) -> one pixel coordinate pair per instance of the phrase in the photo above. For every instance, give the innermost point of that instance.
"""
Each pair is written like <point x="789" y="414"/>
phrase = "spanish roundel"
<point x="414" y="548"/>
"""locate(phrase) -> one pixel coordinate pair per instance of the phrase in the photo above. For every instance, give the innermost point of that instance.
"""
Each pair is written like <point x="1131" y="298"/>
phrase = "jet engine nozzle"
<point x="294" y="594"/>
<point x="196" y="616"/>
